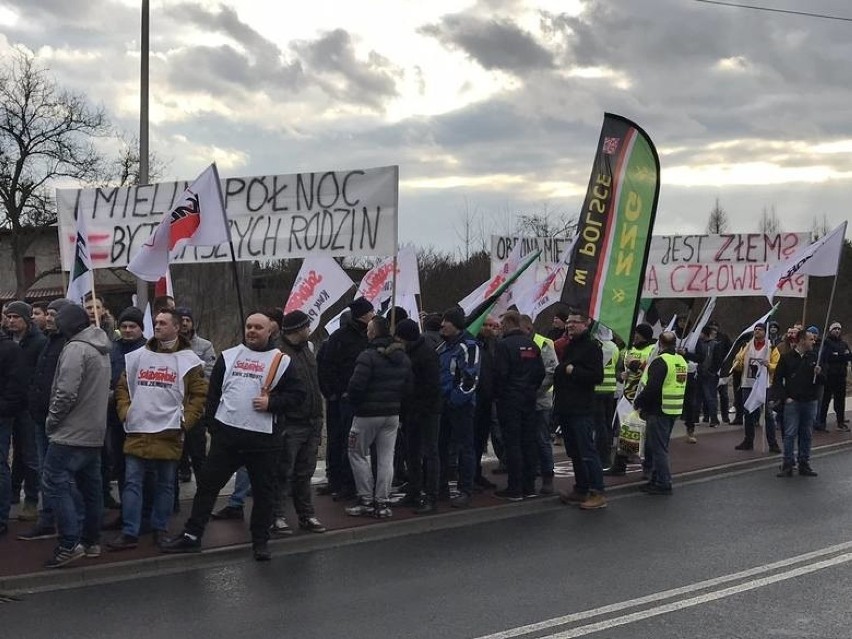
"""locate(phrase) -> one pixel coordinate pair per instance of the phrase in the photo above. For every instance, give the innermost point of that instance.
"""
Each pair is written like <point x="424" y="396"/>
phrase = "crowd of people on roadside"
<point x="407" y="406"/>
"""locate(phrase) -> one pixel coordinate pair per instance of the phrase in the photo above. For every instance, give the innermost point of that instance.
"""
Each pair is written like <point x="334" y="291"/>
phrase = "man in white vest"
<point x="160" y="395"/>
<point x="251" y="385"/>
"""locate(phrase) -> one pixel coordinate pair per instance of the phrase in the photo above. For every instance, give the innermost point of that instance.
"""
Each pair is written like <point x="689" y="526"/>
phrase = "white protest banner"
<point x="320" y="283"/>
<point x="334" y="213"/>
<point x="727" y="265"/>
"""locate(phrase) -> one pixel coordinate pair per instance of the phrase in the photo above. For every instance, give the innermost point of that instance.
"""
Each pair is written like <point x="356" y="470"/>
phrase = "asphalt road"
<point x="743" y="556"/>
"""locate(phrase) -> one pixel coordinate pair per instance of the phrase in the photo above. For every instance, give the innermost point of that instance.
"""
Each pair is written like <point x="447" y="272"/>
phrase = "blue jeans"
<point x="5" y="471"/>
<point x="581" y="429"/>
<point x="164" y="471"/>
<point x="78" y="514"/>
<point x="45" y="515"/>
<point x="242" y="489"/>
<point x="658" y="434"/>
<point x="709" y="397"/>
<point x="798" y="425"/>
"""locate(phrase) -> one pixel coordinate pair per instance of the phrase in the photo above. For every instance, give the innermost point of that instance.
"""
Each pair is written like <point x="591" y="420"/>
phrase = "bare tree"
<point x="470" y="231"/>
<point x="820" y="227"/>
<point x="46" y="134"/>
<point x="124" y="169"/>
<point x="769" y="223"/>
<point x="718" y="222"/>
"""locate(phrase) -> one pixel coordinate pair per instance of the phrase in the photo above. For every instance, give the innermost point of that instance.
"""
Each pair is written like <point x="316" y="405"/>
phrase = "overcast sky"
<point x="490" y="106"/>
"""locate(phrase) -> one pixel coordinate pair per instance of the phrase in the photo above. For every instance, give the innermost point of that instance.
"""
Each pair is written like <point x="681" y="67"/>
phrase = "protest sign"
<point x="333" y="213"/>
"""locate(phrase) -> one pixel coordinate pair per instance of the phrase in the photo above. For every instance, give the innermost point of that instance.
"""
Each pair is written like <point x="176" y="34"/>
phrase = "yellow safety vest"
<point x="674" y="386"/>
<point x="632" y="378"/>
<point x="609" y="383"/>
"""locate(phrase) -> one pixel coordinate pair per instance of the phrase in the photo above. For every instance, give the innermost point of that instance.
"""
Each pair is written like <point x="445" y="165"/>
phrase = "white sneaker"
<point x="92" y="550"/>
<point x="280" y="527"/>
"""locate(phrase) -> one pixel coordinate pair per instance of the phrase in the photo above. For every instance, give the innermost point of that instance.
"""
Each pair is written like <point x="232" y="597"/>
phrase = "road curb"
<point x="221" y="557"/>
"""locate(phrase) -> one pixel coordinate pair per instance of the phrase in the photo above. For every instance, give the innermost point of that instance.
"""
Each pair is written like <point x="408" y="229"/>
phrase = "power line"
<point x="806" y="14"/>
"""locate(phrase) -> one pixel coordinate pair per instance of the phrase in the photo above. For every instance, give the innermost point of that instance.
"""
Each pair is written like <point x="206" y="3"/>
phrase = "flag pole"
<point x="231" y="246"/>
<point x="142" y="285"/>
<point x="395" y="254"/>
<point x="830" y="299"/>
<point x="95" y="300"/>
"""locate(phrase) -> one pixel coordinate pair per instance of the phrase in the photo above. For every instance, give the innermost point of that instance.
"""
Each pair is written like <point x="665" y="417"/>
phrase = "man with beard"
<point x="798" y="378"/>
<point x="574" y="381"/>
<point x="250" y="387"/>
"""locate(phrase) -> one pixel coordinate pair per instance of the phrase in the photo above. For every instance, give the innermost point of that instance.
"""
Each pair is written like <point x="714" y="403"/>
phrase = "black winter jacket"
<point x="518" y="368"/>
<point x="42" y="378"/>
<point x="304" y="365"/>
<point x="485" y="387"/>
<point x="426" y="398"/>
<point x="13" y="387"/>
<point x="31" y="345"/>
<point x="574" y="394"/>
<point x="337" y="358"/>
<point x="835" y="357"/>
<point x="794" y="377"/>
<point x="381" y="379"/>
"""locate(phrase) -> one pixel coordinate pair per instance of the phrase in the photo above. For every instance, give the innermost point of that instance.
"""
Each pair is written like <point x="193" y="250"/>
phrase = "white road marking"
<point x="699" y="600"/>
<point x="684" y="590"/>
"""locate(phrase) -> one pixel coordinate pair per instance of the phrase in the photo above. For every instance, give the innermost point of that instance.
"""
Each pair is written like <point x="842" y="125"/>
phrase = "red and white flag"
<point x="819" y="259"/>
<point x="199" y="219"/>
<point x="320" y="283"/>
<point x="377" y="285"/>
<point x="489" y="286"/>
<point x="535" y="297"/>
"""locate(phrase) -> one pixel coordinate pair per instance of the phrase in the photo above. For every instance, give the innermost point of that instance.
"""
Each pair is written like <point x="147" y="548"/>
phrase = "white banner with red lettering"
<point x="320" y="283"/>
<point x="727" y="265"/>
<point x="377" y="285"/>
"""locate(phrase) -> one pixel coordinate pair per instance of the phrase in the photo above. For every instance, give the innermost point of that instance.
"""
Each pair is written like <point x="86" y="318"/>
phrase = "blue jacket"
<point x="459" y="369"/>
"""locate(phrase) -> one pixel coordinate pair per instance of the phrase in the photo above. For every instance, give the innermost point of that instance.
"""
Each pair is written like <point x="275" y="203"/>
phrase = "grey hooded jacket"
<point x="78" y="403"/>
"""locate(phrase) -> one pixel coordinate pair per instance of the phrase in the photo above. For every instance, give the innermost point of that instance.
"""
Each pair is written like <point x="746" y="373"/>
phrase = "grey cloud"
<point x="221" y="69"/>
<point x="494" y="44"/>
<point x="369" y="82"/>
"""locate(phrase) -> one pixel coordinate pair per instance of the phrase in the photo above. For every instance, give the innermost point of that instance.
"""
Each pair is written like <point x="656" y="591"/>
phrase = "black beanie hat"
<point x="360" y="307"/>
<point x="645" y="331"/>
<point x="454" y="316"/>
<point x="185" y="311"/>
<point x="132" y="314"/>
<point x="294" y="321"/>
<point x="408" y="330"/>
<point x="71" y="319"/>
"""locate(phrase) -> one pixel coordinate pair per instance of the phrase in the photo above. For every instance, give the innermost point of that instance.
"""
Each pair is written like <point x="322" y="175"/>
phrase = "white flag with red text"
<point x="199" y="219"/>
<point x="320" y="283"/>
<point x="819" y="259"/>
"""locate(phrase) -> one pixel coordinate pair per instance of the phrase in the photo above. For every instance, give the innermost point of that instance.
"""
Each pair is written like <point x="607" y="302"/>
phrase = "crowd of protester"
<point x="407" y="406"/>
